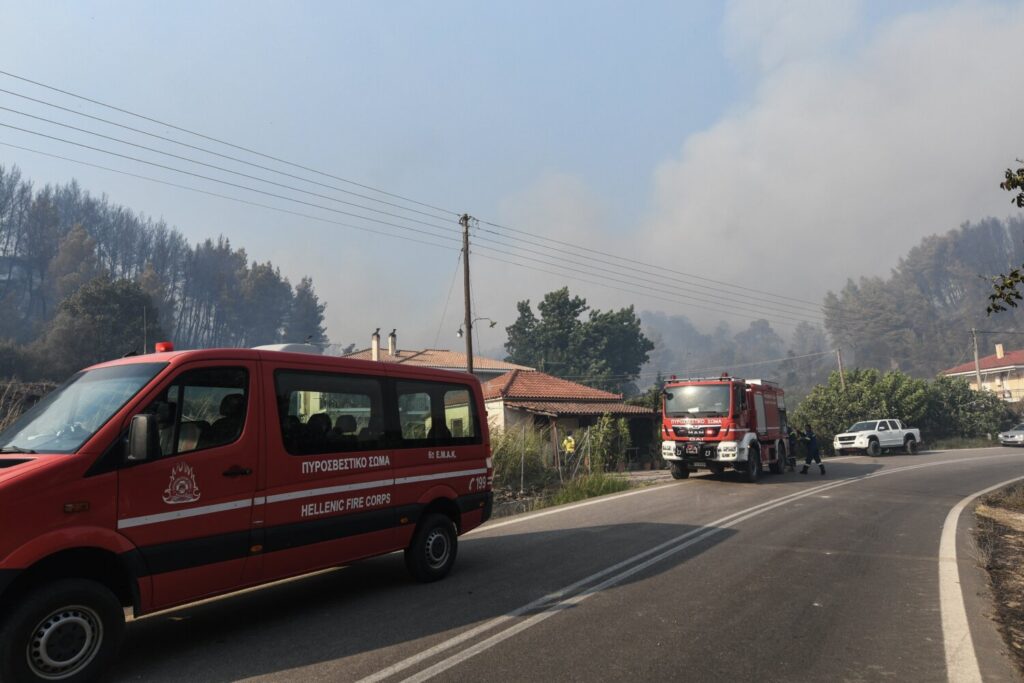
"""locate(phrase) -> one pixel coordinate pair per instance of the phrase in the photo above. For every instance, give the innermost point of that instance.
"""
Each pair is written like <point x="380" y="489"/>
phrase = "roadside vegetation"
<point x="999" y="537"/>
<point x="946" y="409"/>
<point x="528" y="476"/>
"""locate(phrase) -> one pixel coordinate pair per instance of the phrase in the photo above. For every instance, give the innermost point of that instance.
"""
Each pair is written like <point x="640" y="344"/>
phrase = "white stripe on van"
<point x="440" y="475"/>
<point x="130" y="522"/>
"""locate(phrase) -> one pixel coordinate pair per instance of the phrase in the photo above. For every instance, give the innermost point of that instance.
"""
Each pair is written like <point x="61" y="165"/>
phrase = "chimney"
<point x="375" y="345"/>
<point x="999" y="351"/>
<point x="392" y="343"/>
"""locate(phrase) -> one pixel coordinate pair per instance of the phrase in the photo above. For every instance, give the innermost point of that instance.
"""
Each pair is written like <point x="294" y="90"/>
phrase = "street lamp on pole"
<point x="469" y="336"/>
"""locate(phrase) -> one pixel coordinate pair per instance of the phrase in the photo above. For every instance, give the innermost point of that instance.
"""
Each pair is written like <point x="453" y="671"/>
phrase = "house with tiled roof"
<point x="1001" y="373"/>
<point x="540" y="399"/>
<point x="443" y="359"/>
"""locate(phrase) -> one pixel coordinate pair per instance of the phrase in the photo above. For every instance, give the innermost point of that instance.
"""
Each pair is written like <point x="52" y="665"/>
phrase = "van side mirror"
<point x="143" y="438"/>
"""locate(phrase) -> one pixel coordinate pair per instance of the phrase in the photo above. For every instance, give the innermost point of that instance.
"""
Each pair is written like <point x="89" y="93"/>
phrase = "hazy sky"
<point x="778" y="146"/>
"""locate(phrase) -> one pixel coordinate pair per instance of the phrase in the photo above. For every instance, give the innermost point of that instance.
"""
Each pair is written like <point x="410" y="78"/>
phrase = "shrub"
<point x="596" y="484"/>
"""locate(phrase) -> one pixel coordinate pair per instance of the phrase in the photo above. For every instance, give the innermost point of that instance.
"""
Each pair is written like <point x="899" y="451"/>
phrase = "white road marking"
<point x="555" y="602"/>
<point x="961" y="659"/>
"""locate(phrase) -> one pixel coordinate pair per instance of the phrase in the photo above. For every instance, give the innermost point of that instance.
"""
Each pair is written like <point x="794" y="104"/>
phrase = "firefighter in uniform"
<point x="811" y="444"/>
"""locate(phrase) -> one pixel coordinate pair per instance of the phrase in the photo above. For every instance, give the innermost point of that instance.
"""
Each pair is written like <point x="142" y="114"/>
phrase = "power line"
<point x="223" y="142"/>
<point x="650" y="265"/>
<point x="365" y="229"/>
<point x="230" y="198"/>
<point x="218" y="154"/>
<point x="760" y="293"/>
<point x="220" y="168"/>
<point x="215" y="180"/>
<point x="321" y="196"/>
<point x="742" y="307"/>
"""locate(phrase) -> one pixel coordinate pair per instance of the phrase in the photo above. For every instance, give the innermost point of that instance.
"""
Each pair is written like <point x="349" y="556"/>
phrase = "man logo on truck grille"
<point x="183" y="487"/>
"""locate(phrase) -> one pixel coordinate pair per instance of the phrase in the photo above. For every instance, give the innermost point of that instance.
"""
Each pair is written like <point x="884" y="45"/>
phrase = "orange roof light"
<point x="164" y="347"/>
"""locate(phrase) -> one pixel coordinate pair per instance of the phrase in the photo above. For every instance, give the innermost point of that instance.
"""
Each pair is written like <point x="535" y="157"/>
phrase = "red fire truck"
<point x="724" y="422"/>
<point x="157" y="480"/>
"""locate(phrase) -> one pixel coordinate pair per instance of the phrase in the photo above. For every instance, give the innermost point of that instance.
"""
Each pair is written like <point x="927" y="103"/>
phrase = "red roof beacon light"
<point x="164" y="347"/>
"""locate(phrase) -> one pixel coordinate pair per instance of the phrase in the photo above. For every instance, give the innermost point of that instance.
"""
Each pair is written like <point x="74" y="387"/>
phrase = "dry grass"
<point x="999" y="540"/>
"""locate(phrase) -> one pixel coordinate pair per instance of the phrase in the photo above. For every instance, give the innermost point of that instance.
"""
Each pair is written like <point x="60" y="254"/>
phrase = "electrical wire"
<point x="221" y="155"/>
<point x="759" y="293"/>
<point x="759" y="312"/>
<point x="222" y="142"/>
<point x="455" y="274"/>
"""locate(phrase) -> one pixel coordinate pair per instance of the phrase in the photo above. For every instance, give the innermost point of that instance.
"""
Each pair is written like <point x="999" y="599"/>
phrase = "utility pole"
<point x="842" y="377"/>
<point x="977" y="365"/>
<point x="464" y="221"/>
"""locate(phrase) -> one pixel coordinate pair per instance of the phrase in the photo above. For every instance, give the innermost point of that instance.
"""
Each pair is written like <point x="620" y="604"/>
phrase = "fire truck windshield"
<point x="73" y="412"/>
<point x="697" y="400"/>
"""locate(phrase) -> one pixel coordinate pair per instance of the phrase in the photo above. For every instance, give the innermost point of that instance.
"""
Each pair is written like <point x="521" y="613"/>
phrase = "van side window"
<point x="201" y="409"/>
<point x="329" y="413"/>
<point x="436" y="414"/>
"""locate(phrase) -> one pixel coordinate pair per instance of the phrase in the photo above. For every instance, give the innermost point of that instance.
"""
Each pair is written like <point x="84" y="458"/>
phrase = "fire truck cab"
<point x="724" y="422"/>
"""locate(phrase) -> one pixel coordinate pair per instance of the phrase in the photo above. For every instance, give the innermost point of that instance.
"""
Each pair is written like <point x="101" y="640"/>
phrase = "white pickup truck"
<point x="874" y="436"/>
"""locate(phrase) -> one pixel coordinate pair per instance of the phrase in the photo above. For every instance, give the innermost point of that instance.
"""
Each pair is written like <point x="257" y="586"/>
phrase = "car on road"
<point x="1013" y="437"/>
<point x="875" y="436"/>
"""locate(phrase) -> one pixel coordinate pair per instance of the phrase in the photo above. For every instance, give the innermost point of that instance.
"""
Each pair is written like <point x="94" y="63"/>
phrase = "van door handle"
<point x="236" y="471"/>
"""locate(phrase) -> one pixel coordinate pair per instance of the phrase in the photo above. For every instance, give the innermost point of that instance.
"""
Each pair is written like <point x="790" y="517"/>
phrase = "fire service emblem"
<point x="183" y="487"/>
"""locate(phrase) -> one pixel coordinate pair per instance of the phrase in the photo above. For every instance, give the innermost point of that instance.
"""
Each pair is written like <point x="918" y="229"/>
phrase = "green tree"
<point x="605" y="350"/>
<point x="102" y="320"/>
<point x="306" y="317"/>
<point x="1005" y="287"/>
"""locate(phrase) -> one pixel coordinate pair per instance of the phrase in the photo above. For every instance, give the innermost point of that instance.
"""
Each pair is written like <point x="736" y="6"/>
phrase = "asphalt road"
<point x="804" y="578"/>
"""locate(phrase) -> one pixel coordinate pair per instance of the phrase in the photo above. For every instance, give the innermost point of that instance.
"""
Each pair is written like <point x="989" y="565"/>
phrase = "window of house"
<point x="436" y="413"/>
<point x="329" y="413"/>
<point x="201" y="409"/>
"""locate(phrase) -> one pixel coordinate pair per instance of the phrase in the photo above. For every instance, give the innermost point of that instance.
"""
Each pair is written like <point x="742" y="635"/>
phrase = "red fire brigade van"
<point x="724" y="422"/>
<point x="157" y="480"/>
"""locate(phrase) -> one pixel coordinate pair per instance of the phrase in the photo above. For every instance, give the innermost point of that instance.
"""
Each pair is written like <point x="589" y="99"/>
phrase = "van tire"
<point x="432" y="552"/>
<point x="85" y="619"/>
<point x="679" y="471"/>
<point x="873" y="447"/>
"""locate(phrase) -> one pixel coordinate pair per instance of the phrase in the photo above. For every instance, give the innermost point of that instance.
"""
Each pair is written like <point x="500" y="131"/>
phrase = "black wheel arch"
<point x="96" y="564"/>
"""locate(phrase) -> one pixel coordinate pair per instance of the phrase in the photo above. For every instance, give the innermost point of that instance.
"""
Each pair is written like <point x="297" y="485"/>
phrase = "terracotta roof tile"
<point x="1009" y="359"/>
<point x="540" y="386"/>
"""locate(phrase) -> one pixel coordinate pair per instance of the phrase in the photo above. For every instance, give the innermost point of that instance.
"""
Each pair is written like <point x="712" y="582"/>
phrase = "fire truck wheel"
<point x="753" y="471"/>
<point x="715" y="468"/>
<point x="679" y="471"/>
<point x="68" y="630"/>
<point x="779" y="466"/>
<point x="432" y="552"/>
<point x="874" y="448"/>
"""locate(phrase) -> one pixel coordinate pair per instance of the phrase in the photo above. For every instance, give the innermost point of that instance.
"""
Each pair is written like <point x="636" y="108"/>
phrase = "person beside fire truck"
<point x="813" y="453"/>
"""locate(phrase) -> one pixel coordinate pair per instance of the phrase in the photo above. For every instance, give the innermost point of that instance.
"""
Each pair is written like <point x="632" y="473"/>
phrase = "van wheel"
<point x="679" y="471"/>
<point x="753" y="471"/>
<point x="432" y="552"/>
<point x="68" y="630"/>
<point x="873" y="447"/>
<point x="910" y="446"/>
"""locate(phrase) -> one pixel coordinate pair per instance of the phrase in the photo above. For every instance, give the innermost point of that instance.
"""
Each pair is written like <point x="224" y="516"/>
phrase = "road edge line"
<point x="961" y="658"/>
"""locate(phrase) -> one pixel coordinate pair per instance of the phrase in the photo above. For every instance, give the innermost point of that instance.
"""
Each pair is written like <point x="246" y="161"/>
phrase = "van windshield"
<point x="697" y="401"/>
<point x="69" y="415"/>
